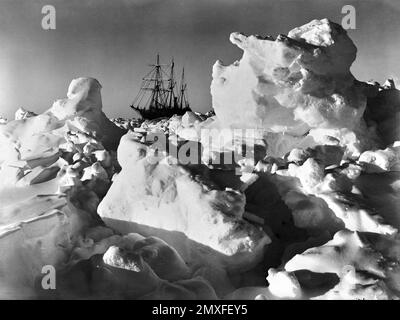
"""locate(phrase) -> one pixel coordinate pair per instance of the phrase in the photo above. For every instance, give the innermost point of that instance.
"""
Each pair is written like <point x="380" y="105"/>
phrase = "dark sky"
<point x="114" y="41"/>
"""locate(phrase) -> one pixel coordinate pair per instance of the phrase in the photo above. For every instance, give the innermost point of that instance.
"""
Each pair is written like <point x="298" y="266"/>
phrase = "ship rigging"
<point x="159" y="94"/>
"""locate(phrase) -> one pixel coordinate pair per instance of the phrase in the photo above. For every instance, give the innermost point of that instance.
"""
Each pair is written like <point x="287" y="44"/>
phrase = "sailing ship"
<point x="159" y="95"/>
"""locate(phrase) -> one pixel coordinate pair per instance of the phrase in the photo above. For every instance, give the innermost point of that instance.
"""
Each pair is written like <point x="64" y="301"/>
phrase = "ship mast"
<point x="183" y="101"/>
<point x="157" y="99"/>
<point x="171" y="87"/>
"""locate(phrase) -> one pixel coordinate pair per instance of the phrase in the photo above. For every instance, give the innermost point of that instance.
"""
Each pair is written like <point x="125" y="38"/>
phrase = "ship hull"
<point x="154" y="113"/>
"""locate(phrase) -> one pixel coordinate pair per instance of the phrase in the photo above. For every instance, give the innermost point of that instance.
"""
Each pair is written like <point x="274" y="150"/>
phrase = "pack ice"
<point x="313" y="210"/>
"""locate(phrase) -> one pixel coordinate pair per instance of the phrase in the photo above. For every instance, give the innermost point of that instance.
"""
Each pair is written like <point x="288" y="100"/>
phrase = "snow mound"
<point x="21" y="113"/>
<point x="54" y="170"/>
<point x="366" y="265"/>
<point x="326" y="200"/>
<point x="83" y="109"/>
<point x="153" y="270"/>
<point x="159" y="197"/>
<point x="292" y="84"/>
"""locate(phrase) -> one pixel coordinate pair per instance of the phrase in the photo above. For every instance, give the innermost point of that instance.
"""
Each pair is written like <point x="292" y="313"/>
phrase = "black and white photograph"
<point x="214" y="151"/>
